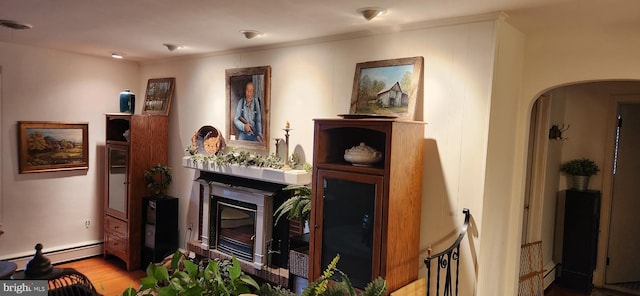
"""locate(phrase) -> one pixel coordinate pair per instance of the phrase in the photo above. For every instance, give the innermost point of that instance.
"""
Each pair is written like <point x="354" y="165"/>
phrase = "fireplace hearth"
<point x="236" y="219"/>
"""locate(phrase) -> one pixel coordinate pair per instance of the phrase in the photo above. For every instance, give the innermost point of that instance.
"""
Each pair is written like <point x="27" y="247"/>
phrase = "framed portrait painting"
<point x="45" y="146"/>
<point x="248" y="103"/>
<point x="157" y="98"/>
<point x="387" y="88"/>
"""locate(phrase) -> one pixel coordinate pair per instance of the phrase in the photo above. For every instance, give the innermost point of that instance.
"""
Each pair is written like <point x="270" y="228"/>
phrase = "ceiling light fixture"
<point x="116" y="55"/>
<point x="370" y="13"/>
<point x="250" y="34"/>
<point x="172" y="47"/>
<point x="15" y="25"/>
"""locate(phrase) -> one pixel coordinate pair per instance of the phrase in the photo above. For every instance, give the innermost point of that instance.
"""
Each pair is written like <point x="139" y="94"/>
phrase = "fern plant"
<point x="296" y="206"/>
<point x="377" y="287"/>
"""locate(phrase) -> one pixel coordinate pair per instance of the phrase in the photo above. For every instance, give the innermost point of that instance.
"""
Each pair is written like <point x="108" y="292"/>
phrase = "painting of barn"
<point x="393" y="97"/>
<point x="387" y="87"/>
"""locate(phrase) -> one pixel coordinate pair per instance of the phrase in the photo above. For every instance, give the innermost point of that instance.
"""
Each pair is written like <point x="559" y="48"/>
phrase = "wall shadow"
<point x="441" y="222"/>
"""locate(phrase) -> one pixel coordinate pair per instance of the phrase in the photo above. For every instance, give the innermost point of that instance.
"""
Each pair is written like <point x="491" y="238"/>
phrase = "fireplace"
<point x="240" y="222"/>
<point x="235" y="217"/>
<point x="234" y="231"/>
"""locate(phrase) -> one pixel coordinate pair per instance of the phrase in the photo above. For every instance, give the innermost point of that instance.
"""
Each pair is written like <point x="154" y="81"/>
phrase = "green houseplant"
<point x="298" y="206"/>
<point x="581" y="169"/>
<point x="187" y="278"/>
<point x="377" y="287"/>
<point x="224" y="277"/>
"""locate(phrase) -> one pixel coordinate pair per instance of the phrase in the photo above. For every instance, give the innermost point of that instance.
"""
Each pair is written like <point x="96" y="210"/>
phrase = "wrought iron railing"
<point x="445" y="260"/>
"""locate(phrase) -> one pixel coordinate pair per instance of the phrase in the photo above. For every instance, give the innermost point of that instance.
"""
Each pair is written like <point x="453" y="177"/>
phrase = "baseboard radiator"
<point x="62" y="255"/>
<point x="446" y="279"/>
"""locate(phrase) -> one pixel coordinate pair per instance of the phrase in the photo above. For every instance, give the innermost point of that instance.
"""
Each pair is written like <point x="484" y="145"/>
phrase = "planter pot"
<point x="580" y="183"/>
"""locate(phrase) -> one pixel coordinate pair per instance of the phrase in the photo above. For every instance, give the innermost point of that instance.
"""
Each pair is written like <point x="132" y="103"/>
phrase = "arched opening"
<point x="568" y="122"/>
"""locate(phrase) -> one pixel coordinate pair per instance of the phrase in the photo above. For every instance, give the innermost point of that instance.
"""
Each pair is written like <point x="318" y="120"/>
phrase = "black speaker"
<point x="580" y="240"/>
<point x="160" y="228"/>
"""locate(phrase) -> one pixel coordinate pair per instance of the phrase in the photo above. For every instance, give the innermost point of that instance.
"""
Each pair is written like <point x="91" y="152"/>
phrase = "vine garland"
<point x="158" y="179"/>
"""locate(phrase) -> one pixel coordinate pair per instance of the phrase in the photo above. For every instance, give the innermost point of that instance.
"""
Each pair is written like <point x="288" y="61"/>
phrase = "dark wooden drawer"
<point x="116" y="245"/>
<point x="115" y="226"/>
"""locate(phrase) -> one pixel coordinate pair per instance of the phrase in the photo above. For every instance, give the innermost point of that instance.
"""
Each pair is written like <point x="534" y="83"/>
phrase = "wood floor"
<point x="109" y="275"/>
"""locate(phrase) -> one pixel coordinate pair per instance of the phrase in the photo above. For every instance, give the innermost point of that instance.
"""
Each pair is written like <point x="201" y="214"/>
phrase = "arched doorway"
<point x="586" y="112"/>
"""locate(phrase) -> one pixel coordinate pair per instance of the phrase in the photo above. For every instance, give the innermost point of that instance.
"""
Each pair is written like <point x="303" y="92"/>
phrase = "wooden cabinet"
<point x="134" y="143"/>
<point x="370" y="215"/>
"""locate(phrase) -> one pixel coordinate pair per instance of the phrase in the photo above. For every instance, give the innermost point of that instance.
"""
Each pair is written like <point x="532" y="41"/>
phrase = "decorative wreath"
<point x="158" y="179"/>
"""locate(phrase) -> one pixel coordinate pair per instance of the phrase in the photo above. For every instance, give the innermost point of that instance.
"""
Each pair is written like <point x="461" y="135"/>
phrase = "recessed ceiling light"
<point x="370" y="13"/>
<point x="15" y="25"/>
<point x="116" y="55"/>
<point x="250" y="34"/>
<point x="172" y="47"/>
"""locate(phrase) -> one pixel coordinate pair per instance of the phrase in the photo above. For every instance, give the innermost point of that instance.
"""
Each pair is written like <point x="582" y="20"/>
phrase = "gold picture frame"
<point x="390" y="88"/>
<point x="157" y="98"/>
<point x="257" y="111"/>
<point x="45" y="146"/>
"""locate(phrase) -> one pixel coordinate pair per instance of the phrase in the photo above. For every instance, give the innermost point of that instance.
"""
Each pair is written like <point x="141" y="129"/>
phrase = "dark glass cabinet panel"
<point x="351" y="206"/>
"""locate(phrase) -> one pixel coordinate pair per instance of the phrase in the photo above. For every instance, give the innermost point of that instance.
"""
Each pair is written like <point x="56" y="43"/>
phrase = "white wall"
<point x="552" y="180"/>
<point x="469" y="138"/>
<point x="314" y="80"/>
<point x="48" y="85"/>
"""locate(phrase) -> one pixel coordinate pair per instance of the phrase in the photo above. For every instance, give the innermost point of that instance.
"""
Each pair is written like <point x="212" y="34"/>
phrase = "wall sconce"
<point x="555" y="132"/>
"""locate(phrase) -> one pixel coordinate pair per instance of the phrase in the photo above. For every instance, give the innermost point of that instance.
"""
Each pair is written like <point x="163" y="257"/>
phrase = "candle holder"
<point x="287" y="164"/>
<point x="278" y="141"/>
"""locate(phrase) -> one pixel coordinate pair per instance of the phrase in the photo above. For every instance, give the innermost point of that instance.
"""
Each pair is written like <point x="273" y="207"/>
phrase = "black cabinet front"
<point x="351" y="206"/>
<point x="580" y="239"/>
<point x="160" y="230"/>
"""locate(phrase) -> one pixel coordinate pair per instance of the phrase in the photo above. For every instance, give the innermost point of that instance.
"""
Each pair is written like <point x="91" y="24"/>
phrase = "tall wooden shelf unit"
<point x="126" y="162"/>
<point x="580" y="239"/>
<point x="368" y="215"/>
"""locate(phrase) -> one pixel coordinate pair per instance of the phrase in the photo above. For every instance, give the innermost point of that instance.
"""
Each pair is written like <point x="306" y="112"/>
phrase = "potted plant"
<point x="188" y="278"/>
<point x="298" y="206"/>
<point x="581" y="169"/>
<point x="224" y="277"/>
<point x="158" y="179"/>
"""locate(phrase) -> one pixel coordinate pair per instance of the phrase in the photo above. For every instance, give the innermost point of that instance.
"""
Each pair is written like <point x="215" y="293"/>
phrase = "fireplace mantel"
<point x="289" y="177"/>
<point x="236" y="186"/>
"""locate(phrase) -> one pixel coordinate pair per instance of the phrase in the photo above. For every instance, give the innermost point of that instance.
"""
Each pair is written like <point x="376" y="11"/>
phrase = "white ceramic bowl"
<point x="362" y="155"/>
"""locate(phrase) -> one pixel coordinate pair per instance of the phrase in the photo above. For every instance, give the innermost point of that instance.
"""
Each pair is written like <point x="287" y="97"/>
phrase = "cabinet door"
<point x="348" y="222"/>
<point x="117" y="181"/>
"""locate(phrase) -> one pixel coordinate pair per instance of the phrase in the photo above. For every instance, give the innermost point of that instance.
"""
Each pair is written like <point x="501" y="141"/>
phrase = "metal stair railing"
<point x="445" y="260"/>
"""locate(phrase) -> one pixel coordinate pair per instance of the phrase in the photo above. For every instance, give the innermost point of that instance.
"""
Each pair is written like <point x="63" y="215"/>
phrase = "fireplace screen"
<point x="235" y="230"/>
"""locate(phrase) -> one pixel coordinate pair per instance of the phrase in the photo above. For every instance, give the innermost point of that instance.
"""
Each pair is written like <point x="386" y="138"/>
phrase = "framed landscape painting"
<point x="52" y="146"/>
<point x="389" y="88"/>
<point x="248" y="104"/>
<point x="157" y="99"/>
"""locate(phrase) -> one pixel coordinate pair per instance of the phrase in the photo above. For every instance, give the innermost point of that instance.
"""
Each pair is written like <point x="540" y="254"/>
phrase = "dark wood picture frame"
<point x="237" y="81"/>
<point x="45" y="146"/>
<point x="388" y="88"/>
<point x="158" y="95"/>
